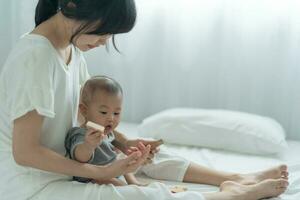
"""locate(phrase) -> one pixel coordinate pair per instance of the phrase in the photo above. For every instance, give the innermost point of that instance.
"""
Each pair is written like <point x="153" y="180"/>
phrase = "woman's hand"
<point x="135" y="145"/>
<point x="126" y="165"/>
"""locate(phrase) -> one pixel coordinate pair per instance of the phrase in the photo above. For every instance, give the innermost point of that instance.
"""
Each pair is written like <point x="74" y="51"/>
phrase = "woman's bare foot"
<point x="265" y="189"/>
<point x="230" y="190"/>
<point x="271" y="173"/>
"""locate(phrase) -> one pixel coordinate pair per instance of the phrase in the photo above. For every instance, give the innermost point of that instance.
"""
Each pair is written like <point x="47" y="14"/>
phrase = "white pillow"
<point x="220" y="129"/>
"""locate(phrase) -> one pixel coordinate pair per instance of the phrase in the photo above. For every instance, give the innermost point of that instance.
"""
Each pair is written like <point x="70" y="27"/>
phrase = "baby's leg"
<point x="114" y="181"/>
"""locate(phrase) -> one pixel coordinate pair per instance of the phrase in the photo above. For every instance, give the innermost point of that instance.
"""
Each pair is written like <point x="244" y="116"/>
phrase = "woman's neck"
<point x="58" y="29"/>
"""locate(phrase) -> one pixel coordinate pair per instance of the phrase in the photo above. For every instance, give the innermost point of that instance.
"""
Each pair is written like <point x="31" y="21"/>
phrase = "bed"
<point x="229" y="161"/>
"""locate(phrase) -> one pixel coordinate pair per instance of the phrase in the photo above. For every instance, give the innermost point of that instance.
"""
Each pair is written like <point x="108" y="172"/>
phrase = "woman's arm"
<point x="28" y="151"/>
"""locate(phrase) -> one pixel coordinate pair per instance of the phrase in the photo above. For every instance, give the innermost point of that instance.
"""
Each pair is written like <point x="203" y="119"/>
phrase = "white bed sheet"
<point x="230" y="161"/>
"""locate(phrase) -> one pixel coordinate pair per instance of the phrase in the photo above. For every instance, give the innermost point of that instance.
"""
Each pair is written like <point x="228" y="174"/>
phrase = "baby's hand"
<point x="93" y="138"/>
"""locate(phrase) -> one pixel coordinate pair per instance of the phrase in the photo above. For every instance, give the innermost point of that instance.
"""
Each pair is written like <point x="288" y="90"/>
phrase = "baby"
<point x="101" y="103"/>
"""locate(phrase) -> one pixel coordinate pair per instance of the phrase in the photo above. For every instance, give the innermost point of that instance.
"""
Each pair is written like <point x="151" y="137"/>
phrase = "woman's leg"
<point x="61" y="190"/>
<point x="168" y="166"/>
<point x="65" y="190"/>
<point x="196" y="173"/>
<point x="234" y="191"/>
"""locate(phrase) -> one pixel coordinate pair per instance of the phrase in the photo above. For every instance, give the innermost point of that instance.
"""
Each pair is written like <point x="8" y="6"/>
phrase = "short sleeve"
<point x="75" y="136"/>
<point x="29" y="79"/>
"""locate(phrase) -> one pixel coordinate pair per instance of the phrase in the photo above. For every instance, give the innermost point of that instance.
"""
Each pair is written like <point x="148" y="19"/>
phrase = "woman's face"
<point x="87" y="42"/>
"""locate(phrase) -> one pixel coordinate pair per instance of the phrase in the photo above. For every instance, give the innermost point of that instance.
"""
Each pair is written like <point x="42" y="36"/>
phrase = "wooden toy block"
<point x="178" y="188"/>
<point x="95" y="126"/>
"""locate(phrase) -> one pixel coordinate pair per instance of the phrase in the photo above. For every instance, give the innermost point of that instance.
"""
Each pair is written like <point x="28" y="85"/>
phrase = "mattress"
<point x="229" y="161"/>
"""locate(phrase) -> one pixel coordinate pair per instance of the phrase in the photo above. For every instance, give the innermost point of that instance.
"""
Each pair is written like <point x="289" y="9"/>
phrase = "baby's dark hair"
<point x="99" y="83"/>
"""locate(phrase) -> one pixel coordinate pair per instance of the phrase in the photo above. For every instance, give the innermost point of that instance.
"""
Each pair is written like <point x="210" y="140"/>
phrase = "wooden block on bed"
<point x="178" y="188"/>
<point x="95" y="126"/>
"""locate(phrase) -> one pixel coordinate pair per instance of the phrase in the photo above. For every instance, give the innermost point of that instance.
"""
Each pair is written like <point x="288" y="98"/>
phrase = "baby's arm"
<point x="92" y="138"/>
<point x="83" y="153"/>
<point x="124" y="144"/>
<point x="120" y="141"/>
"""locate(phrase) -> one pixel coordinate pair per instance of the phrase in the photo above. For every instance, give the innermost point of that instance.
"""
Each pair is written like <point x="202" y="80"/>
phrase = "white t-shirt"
<point x="35" y="77"/>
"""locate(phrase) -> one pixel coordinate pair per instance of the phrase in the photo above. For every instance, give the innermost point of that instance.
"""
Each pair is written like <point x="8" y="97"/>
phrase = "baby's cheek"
<point x="117" y="121"/>
<point x="102" y="121"/>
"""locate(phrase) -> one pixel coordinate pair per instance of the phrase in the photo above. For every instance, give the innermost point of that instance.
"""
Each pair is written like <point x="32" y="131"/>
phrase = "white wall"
<point x="227" y="54"/>
<point x="5" y="24"/>
<point x="16" y="18"/>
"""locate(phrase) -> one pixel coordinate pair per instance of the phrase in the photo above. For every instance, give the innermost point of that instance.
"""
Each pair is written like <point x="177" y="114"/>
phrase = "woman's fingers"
<point x="132" y="158"/>
<point x="145" y="152"/>
<point x="141" y="146"/>
<point x="129" y="164"/>
<point x="136" y="159"/>
<point x="134" y="148"/>
<point x="131" y="149"/>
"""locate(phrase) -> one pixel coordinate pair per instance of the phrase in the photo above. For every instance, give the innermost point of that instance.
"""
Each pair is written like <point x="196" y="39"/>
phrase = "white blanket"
<point x="221" y="160"/>
<point x="232" y="162"/>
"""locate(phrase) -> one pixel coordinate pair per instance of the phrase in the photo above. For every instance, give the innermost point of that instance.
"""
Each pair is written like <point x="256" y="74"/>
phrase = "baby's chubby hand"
<point x="94" y="135"/>
<point x="93" y="138"/>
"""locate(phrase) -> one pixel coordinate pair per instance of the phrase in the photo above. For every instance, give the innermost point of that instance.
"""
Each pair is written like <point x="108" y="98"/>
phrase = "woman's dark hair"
<point x="103" y="16"/>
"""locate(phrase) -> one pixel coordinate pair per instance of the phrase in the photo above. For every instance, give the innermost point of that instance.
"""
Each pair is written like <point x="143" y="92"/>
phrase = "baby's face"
<point x="105" y="109"/>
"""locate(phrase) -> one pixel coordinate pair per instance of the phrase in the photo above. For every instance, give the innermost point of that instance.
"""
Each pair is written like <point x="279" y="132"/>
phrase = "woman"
<point x="39" y="93"/>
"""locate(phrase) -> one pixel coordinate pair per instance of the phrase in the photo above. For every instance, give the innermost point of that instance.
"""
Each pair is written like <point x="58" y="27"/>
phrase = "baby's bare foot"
<point x="265" y="189"/>
<point x="271" y="173"/>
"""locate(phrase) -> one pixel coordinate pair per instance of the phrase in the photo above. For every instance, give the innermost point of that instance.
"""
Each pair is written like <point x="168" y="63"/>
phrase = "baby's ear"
<point x="83" y="109"/>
